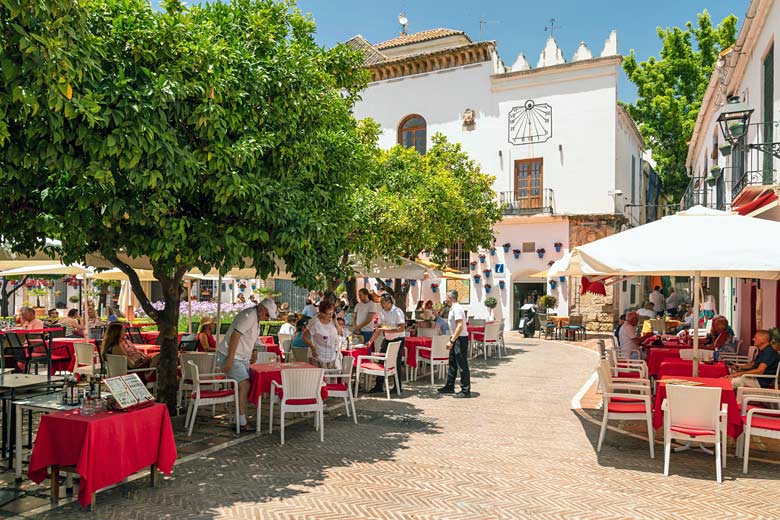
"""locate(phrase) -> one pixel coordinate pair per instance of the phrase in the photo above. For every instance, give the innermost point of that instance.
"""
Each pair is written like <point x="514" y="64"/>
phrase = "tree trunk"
<point x="351" y="285"/>
<point x="5" y="295"/>
<point x="168" y="325"/>
<point x="400" y="293"/>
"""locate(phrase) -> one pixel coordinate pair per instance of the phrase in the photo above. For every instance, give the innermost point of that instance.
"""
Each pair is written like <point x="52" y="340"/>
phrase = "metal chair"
<point x="576" y="327"/>
<point x="96" y="333"/>
<point x="14" y="347"/>
<point x="188" y="343"/>
<point x="135" y="335"/>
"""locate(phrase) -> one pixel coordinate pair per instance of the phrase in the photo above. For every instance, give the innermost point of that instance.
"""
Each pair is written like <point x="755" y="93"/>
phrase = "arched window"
<point x="411" y="133"/>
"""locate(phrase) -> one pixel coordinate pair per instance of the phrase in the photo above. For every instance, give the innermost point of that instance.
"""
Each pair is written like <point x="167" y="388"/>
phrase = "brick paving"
<point x="516" y="451"/>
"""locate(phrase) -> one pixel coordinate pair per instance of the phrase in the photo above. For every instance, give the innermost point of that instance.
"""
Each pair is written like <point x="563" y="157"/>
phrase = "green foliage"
<point x="671" y="89"/>
<point x="490" y="302"/>
<point x="547" y="302"/>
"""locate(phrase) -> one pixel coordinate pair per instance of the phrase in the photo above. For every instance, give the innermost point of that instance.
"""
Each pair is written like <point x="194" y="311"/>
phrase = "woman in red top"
<point x="206" y="340"/>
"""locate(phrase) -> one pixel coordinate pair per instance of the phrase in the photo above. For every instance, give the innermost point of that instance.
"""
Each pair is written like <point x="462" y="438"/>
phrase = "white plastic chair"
<point x="85" y="359"/>
<point x="267" y="357"/>
<point x="342" y="384"/>
<point x="622" y="367"/>
<point x="687" y="353"/>
<point x="489" y="339"/>
<point x="695" y="414"/>
<point x="436" y="355"/>
<point x="385" y="365"/>
<point x="774" y="378"/>
<point x="625" y="399"/>
<point x="427" y="333"/>
<point x="206" y="362"/>
<point x="282" y="339"/>
<point x="117" y="366"/>
<point x="200" y="397"/>
<point x="757" y="419"/>
<point x="300" y="391"/>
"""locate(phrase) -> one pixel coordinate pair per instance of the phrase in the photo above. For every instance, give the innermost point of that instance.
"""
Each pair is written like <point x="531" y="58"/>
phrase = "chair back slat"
<point x="602" y="349"/>
<point x="116" y="365"/>
<point x="476" y="322"/>
<point x="282" y="339"/>
<point x="391" y="358"/>
<point x="204" y="361"/>
<point x="687" y="353"/>
<point x="135" y="335"/>
<point x="14" y="341"/>
<point x="605" y="376"/>
<point x="267" y="357"/>
<point x="439" y="347"/>
<point x="302" y="383"/>
<point x="693" y="406"/>
<point x="426" y="332"/>
<point x="85" y="354"/>
<point x="575" y="321"/>
<point x="491" y="332"/>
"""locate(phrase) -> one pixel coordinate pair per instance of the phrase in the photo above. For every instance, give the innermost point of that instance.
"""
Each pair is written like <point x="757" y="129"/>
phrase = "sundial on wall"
<point x="530" y="123"/>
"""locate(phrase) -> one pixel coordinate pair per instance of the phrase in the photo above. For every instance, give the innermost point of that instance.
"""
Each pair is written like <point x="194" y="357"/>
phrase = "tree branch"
<point x="17" y="286"/>
<point x="135" y="285"/>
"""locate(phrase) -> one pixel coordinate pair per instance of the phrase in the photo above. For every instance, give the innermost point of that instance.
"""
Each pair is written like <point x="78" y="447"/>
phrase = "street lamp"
<point x="734" y="119"/>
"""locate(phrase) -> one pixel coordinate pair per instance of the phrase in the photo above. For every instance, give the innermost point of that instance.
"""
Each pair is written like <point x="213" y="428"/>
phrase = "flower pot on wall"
<point x="558" y="247"/>
<point x="562" y="279"/>
<point x="501" y="284"/>
<point x="486" y="273"/>
<point x="506" y="247"/>
<point x="553" y="284"/>
<point x="477" y="278"/>
<point x="473" y="266"/>
<point x="412" y="283"/>
<point x="516" y="253"/>
<point x="434" y="288"/>
<point x="492" y="251"/>
<point x="481" y="259"/>
<point x="725" y="149"/>
<point x="487" y="288"/>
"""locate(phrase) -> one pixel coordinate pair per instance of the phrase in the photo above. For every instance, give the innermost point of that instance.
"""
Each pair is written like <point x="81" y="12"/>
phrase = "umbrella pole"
<point x="696" y="288"/>
<point x="219" y="306"/>
<point x="189" y="306"/>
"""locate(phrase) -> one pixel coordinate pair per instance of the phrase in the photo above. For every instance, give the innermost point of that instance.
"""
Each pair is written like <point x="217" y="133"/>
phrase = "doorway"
<point x="521" y="291"/>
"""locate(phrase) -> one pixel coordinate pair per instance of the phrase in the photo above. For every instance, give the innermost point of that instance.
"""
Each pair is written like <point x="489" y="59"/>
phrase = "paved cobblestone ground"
<point x="516" y="451"/>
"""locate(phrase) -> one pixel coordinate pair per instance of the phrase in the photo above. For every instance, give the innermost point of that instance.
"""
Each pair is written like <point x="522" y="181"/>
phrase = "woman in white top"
<point x="322" y="337"/>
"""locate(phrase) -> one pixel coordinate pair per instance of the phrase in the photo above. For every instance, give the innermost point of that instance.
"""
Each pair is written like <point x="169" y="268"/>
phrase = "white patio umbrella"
<point x="687" y="244"/>
<point x="50" y="268"/>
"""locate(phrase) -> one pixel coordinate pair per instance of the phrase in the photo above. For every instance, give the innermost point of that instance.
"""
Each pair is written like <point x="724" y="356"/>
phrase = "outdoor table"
<point x="727" y="396"/>
<point x="668" y="324"/>
<point x="357" y="351"/>
<point x="105" y="448"/>
<point x="411" y="345"/>
<point x="69" y="344"/>
<point x="668" y="342"/>
<point x="45" y="403"/>
<point x="658" y="355"/>
<point x="684" y="368"/>
<point x="276" y="349"/>
<point x="262" y="374"/>
<point x="148" y="350"/>
<point x="268" y="340"/>
<point x="11" y="383"/>
<point x="153" y="336"/>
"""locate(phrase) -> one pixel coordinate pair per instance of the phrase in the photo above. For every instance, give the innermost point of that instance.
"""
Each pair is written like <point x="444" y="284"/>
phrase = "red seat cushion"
<point x="763" y="422"/>
<point x="477" y="336"/>
<point x="693" y="432"/>
<point x="626" y="400"/>
<point x="370" y="365"/>
<point x="211" y="394"/>
<point x="427" y="355"/>
<point x="336" y="387"/>
<point x="629" y="374"/>
<point x="294" y="402"/>
<point x="626" y="407"/>
<point x="756" y="407"/>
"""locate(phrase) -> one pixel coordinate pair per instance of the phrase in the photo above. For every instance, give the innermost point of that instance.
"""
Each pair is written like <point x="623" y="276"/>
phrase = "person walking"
<point x="459" y="349"/>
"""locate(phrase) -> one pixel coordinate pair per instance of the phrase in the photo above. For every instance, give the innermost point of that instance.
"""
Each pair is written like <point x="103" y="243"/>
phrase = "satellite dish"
<point x="403" y="21"/>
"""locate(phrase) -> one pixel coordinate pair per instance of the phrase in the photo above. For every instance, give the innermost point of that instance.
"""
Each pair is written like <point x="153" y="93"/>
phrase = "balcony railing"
<point x="699" y="193"/>
<point x="754" y="162"/>
<point x="513" y="204"/>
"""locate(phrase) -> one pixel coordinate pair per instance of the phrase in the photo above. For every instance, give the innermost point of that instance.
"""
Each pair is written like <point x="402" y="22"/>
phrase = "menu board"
<point x="128" y="390"/>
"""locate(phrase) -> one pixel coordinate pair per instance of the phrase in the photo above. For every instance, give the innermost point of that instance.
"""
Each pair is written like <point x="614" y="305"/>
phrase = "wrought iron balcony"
<point x="754" y="160"/>
<point x="700" y="193"/>
<point x="528" y="203"/>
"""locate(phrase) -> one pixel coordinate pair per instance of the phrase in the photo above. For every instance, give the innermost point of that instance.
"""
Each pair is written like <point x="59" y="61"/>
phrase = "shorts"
<point x="240" y="369"/>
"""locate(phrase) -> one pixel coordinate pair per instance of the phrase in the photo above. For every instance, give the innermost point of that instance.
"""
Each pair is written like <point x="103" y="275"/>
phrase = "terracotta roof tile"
<point x="371" y="56"/>
<point x="422" y="36"/>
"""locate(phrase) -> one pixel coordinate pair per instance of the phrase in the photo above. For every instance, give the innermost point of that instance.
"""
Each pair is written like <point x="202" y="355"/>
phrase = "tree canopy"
<point x="671" y="89"/>
<point x="195" y="137"/>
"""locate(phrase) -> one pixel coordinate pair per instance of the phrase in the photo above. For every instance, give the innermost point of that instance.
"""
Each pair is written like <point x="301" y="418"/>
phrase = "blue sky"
<point x="519" y="25"/>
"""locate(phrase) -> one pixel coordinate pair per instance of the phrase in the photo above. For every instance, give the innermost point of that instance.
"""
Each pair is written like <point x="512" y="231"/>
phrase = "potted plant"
<point x="725" y="149"/>
<point x="558" y="247"/>
<point x="481" y="258"/>
<point x="715" y="173"/>
<point x="492" y="251"/>
<point x="477" y="278"/>
<point x="506" y="247"/>
<point x="737" y="128"/>
<point x="389" y="282"/>
<point x="38" y="292"/>
<point x="487" y="288"/>
<point x="490" y="302"/>
<point x="434" y="287"/>
<point x="547" y="301"/>
<point x="541" y="251"/>
<point x="562" y="279"/>
<point x="242" y="285"/>
<point x="473" y="265"/>
<point x="412" y="283"/>
<point x="553" y="284"/>
<point x="516" y="253"/>
<point x="501" y="284"/>
<point x="486" y="272"/>
<point x="550" y="263"/>
<point x="73" y="299"/>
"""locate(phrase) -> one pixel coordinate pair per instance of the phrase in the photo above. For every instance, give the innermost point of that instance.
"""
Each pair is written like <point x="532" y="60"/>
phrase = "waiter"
<point x="458" y="346"/>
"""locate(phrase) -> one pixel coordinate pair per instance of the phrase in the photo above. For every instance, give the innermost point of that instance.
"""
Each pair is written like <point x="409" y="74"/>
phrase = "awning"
<point x="757" y="203"/>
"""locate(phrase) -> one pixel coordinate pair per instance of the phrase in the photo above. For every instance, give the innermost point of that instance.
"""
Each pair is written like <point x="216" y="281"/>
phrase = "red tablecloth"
<point x="658" y="355"/>
<point x="152" y="336"/>
<point x="268" y="340"/>
<point x="67" y="343"/>
<point x="149" y="350"/>
<point x="472" y="329"/>
<point x="276" y="349"/>
<point x="261" y="375"/>
<point x="411" y="345"/>
<point x="105" y="448"/>
<point x="684" y="368"/>
<point x="665" y="343"/>
<point x="357" y="352"/>
<point x="727" y="396"/>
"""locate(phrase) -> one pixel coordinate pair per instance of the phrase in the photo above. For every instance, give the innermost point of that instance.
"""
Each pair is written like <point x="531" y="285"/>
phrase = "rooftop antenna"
<point x="403" y="21"/>
<point x="552" y="27"/>
<point x="483" y="22"/>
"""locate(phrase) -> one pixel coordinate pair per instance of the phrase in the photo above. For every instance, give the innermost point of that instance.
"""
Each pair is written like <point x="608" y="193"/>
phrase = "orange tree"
<point x="213" y="136"/>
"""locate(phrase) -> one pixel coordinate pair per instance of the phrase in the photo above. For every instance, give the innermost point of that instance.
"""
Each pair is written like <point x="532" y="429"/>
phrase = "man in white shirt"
<point x="658" y="300"/>
<point x="309" y="310"/>
<point x="627" y="337"/>
<point x="393" y="323"/>
<point x="458" y="346"/>
<point x="236" y="352"/>
<point x="289" y="326"/>
<point x="365" y="312"/>
<point x="672" y="301"/>
<point x="648" y="311"/>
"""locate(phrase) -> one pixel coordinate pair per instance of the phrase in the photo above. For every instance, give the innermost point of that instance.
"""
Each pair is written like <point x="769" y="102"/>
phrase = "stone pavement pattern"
<point x="516" y="451"/>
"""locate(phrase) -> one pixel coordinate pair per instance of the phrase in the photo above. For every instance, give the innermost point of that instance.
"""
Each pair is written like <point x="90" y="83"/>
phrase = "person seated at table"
<point x="621" y="321"/>
<point x="309" y="310"/>
<point x="52" y="318"/>
<point x="628" y="340"/>
<point x="206" y="340"/>
<point x="322" y="336"/>
<point x="289" y="325"/>
<point x="74" y="325"/>
<point x="117" y="343"/>
<point x="111" y="315"/>
<point x="687" y="318"/>
<point x="297" y="341"/>
<point x="648" y="311"/>
<point x="29" y="320"/>
<point x="343" y="323"/>
<point x="765" y="364"/>
<point x="720" y="336"/>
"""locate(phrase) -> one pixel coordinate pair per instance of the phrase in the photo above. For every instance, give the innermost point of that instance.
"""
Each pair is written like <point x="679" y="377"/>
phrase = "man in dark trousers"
<point x="459" y="349"/>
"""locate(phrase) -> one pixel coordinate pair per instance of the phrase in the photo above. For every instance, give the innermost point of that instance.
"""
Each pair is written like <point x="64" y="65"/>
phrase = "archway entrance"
<point x="521" y="291"/>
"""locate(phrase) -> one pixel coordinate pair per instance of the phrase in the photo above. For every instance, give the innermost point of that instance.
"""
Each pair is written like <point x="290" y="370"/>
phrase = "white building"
<point x="746" y="178"/>
<point x="565" y="156"/>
